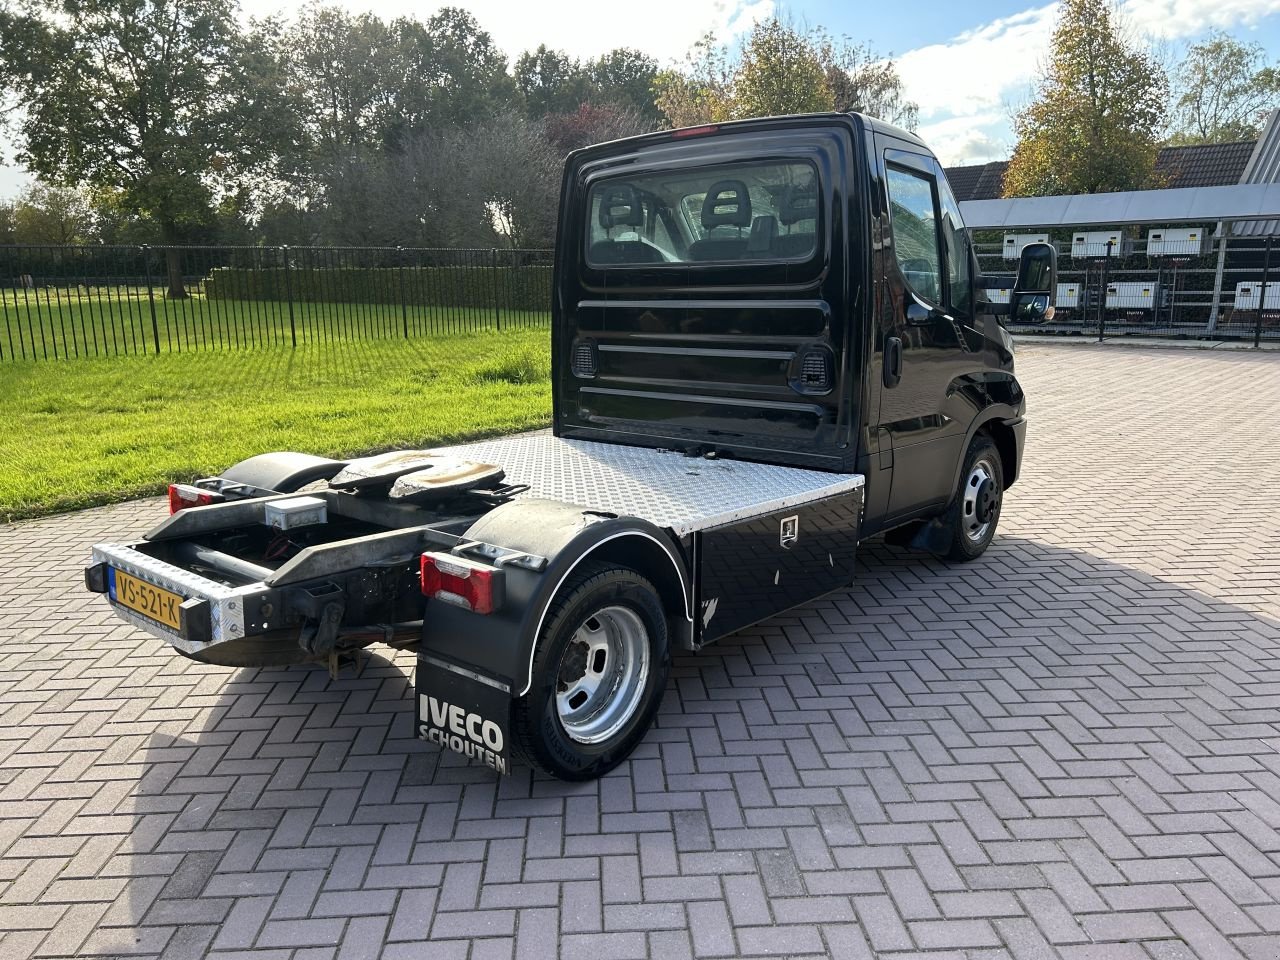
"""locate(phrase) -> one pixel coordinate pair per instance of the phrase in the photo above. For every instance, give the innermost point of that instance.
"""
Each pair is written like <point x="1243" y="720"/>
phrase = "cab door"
<point x="928" y="287"/>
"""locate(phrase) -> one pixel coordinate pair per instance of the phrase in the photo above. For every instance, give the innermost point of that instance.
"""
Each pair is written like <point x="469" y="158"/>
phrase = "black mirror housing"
<point x="1036" y="289"/>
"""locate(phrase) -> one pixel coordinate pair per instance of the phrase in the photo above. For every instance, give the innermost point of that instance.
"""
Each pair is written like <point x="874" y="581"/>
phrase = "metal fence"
<point x="1192" y="287"/>
<point x="61" y="302"/>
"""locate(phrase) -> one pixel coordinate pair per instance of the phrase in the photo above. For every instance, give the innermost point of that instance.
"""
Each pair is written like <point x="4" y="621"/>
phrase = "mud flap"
<point x="464" y="711"/>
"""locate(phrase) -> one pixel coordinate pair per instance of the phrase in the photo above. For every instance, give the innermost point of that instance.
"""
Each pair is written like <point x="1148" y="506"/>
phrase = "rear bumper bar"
<point x="211" y="612"/>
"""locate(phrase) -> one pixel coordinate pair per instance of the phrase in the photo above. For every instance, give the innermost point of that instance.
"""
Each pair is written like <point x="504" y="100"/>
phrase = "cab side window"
<point x="956" y="241"/>
<point x="912" y="214"/>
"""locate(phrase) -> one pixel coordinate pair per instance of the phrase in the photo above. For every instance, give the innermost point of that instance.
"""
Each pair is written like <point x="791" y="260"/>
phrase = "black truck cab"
<point x="795" y="290"/>
<point x="767" y="344"/>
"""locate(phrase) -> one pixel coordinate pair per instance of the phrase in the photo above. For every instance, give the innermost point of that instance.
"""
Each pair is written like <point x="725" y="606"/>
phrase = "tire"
<point x="974" y="513"/>
<point x="598" y="674"/>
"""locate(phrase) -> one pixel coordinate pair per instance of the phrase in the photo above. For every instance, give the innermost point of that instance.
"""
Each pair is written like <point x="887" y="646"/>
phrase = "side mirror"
<point x="1036" y="288"/>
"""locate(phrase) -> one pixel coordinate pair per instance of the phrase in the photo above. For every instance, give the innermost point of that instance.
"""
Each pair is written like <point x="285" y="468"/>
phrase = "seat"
<point x="797" y="205"/>
<point x="621" y="206"/>
<point x="764" y="230"/>
<point x="727" y="204"/>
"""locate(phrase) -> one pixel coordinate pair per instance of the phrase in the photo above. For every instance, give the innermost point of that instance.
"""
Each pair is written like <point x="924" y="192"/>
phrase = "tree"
<point x="48" y="214"/>
<point x="592" y="123"/>
<point x="509" y="166"/>
<point x="550" y="81"/>
<point x="780" y="69"/>
<point x="1099" y="109"/>
<point x="701" y="92"/>
<point x="1224" y="91"/>
<point x="624" y="78"/>
<point x="779" y="72"/>
<point x="163" y="100"/>
<point x="864" y="82"/>
<point x="8" y="224"/>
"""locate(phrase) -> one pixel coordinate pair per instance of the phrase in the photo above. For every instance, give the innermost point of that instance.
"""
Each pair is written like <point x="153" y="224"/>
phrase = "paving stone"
<point x="1064" y="750"/>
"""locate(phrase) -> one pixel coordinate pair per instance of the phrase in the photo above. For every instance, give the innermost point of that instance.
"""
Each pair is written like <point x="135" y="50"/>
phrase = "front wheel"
<point x="598" y="674"/>
<point x="972" y="517"/>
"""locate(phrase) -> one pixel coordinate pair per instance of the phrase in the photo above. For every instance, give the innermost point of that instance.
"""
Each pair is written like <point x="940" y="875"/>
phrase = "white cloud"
<point x="975" y="138"/>
<point x="664" y="29"/>
<point x="966" y="85"/>
<point x="1175" y="19"/>
<point x="978" y="69"/>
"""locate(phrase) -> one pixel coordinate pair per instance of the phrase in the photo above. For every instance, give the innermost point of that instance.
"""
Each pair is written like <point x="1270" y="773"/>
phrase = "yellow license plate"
<point x="154" y="603"/>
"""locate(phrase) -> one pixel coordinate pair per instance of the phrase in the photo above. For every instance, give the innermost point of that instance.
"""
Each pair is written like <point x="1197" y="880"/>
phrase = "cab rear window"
<point x="741" y="212"/>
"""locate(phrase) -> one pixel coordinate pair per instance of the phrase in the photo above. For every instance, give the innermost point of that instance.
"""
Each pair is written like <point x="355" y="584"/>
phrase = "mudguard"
<point x="500" y="646"/>
<point x="283" y="471"/>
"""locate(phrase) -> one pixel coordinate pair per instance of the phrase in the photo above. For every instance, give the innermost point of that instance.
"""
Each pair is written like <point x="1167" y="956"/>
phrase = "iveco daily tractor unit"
<point x="768" y="342"/>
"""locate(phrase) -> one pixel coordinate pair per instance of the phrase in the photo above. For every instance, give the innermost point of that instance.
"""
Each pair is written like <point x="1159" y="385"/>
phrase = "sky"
<point x="967" y="64"/>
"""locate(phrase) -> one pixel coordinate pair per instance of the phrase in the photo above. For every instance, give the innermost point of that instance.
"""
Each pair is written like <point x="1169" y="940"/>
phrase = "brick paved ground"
<point x="1068" y="749"/>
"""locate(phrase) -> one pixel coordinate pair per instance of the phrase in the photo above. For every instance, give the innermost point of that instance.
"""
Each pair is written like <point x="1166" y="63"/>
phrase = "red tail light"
<point x="462" y="582"/>
<point x="695" y="131"/>
<point x="183" y="495"/>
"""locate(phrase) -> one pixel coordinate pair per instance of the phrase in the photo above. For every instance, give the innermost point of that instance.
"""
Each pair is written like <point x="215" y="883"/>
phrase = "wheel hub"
<point x="602" y="674"/>
<point x="573" y="666"/>
<point x="980" y="501"/>
<point x="986" y="500"/>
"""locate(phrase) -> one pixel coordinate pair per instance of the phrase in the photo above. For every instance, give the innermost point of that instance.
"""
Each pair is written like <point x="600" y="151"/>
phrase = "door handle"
<point x="892" y="361"/>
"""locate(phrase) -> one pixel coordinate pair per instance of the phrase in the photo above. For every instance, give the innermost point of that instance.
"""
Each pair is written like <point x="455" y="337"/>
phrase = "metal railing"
<point x="1204" y="289"/>
<point x="65" y="302"/>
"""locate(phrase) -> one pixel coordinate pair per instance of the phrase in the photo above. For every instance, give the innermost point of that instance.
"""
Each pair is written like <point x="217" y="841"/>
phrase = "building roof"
<point x="1202" y="165"/>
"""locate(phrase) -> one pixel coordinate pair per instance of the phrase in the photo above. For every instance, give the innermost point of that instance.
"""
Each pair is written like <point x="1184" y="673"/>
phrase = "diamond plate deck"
<point x="664" y="487"/>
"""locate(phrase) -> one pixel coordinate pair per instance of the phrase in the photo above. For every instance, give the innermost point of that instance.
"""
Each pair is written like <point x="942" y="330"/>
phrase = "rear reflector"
<point x="464" y="583"/>
<point x="183" y="495"/>
<point x="695" y="131"/>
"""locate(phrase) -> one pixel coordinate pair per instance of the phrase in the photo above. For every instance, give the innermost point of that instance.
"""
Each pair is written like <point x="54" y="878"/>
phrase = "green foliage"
<point x="1224" y="91"/>
<point x="1100" y="107"/>
<point x="47" y="214"/>
<point x="161" y="100"/>
<point x="519" y="288"/>
<point x="779" y="73"/>
<point x="781" y="69"/>
<point x="97" y="431"/>
<point x="624" y="78"/>
<point x="550" y="82"/>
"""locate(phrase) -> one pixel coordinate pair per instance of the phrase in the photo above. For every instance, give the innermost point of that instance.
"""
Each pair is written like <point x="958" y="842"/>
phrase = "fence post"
<point x="1102" y="290"/>
<point x="151" y="296"/>
<point x="1262" y="295"/>
<point x="288" y="295"/>
<point x="497" y="306"/>
<point x="404" y="305"/>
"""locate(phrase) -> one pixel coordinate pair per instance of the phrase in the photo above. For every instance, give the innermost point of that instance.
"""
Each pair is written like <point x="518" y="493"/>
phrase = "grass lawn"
<point x="76" y="323"/>
<point x="91" y="431"/>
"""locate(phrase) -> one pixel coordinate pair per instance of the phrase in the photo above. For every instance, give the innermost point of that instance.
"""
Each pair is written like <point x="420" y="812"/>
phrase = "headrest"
<point x="798" y="203"/>
<point x="727" y="204"/>
<point x="620" y="206"/>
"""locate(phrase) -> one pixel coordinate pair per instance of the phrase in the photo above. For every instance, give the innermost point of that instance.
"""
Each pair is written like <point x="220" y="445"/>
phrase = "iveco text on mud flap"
<point x="464" y="711"/>
<point x="765" y="347"/>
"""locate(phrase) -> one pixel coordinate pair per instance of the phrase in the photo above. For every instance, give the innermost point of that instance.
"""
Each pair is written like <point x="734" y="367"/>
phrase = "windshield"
<point x="758" y="211"/>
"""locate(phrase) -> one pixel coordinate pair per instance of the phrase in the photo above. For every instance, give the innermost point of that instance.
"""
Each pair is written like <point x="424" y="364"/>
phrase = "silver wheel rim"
<point x="602" y="674"/>
<point x="971" y="508"/>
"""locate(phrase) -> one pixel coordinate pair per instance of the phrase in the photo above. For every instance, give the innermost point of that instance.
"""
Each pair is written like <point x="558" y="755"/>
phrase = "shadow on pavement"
<point x="302" y="811"/>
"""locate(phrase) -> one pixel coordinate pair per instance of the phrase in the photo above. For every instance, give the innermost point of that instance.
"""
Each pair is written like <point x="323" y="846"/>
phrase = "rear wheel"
<point x="975" y="511"/>
<point x="598" y="674"/>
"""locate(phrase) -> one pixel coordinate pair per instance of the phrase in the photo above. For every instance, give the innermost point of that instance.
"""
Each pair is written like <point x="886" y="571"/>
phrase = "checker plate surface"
<point x="664" y="487"/>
